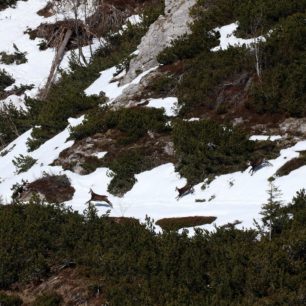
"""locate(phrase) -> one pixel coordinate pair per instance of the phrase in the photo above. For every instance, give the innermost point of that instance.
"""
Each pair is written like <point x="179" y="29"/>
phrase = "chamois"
<point x="257" y="164"/>
<point x="98" y="197"/>
<point x="184" y="191"/>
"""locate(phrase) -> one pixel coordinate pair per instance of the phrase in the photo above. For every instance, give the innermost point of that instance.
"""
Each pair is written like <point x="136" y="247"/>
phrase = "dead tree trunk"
<point x="56" y="62"/>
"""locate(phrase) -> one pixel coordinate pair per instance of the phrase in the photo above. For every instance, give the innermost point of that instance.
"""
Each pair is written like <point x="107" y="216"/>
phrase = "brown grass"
<point x="55" y="188"/>
<point x="46" y="11"/>
<point x="291" y="165"/>
<point x="174" y="224"/>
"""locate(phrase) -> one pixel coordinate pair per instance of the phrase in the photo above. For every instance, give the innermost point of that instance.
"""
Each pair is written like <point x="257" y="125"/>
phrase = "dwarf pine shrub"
<point x="23" y="163"/>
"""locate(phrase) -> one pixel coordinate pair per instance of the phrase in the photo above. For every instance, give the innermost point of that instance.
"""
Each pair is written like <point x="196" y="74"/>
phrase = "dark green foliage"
<point x="274" y="220"/>
<point x="162" y="86"/>
<point x="5" y="80"/>
<point x="136" y="122"/>
<point x="205" y="74"/>
<point x="92" y="163"/>
<point x="254" y="17"/>
<point x="282" y="87"/>
<point x="124" y="168"/>
<point x="53" y="115"/>
<point x="133" y="122"/>
<point x="9" y="300"/>
<point x="13" y="122"/>
<point x="23" y="163"/>
<point x="51" y="299"/>
<point x="6" y="3"/>
<point x="138" y="267"/>
<point x="261" y="15"/>
<point x="206" y="147"/>
<point x="67" y="99"/>
<point x="188" y="46"/>
<point x="17" y="57"/>
<point x="279" y="86"/>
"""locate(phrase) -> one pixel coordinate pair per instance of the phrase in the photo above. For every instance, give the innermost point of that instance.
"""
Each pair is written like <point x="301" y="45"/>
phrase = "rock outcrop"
<point x="174" y="23"/>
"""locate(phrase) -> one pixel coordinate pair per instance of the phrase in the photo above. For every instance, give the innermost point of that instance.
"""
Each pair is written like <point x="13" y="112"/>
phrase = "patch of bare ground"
<point x="53" y="33"/>
<point x="69" y="283"/>
<point x="47" y="10"/>
<point x="81" y="157"/>
<point x="108" y="17"/>
<point x="292" y="165"/>
<point x="174" y="224"/>
<point x="53" y="188"/>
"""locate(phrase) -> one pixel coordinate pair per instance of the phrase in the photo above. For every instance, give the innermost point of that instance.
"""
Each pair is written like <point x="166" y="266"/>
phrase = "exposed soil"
<point x="69" y="283"/>
<point x="53" y="188"/>
<point x="54" y="34"/>
<point x="174" y="224"/>
<point x="46" y="11"/>
<point x="80" y="158"/>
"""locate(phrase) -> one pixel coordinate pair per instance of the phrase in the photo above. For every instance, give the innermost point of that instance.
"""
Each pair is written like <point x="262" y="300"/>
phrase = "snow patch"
<point x="170" y="105"/>
<point x="112" y="89"/>
<point x="228" y="38"/>
<point x="100" y="154"/>
<point x="265" y="137"/>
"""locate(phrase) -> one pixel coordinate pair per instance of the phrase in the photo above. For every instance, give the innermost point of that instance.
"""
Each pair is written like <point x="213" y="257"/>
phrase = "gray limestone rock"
<point x="166" y="28"/>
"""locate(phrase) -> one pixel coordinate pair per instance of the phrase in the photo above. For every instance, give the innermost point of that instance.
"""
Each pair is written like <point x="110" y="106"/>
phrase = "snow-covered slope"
<point x="236" y="196"/>
<point x="13" y="24"/>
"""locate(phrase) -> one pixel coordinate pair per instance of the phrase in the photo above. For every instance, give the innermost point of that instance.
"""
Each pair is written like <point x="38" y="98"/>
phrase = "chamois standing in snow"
<point x="184" y="191"/>
<point x="98" y="197"/>
<point x="257" y="164"/>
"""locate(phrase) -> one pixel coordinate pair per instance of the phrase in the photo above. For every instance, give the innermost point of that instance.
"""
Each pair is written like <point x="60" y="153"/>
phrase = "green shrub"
<point x="162" y="86"/>
<point x="6" y="3"/>
<point x="9" y="300"/>
<point x="133" y="122"/>
<point x="205" y="74"/>
<point x="206" y="148"/>
<point x="92" y="163"/>
<point x="67" y="99"/>
<point x="227" y="266"/>
<point x="124" y="168"/>
<point x="188" y="46"/>
<point x="17" y="57"/>
<point x="281" y="84"/>
<point x="51" y="299"/>
<point x="23" y="163"/>
<point x="5" y="80"/>
<point x="282" y="87"/>
<point x="13" y="122"/>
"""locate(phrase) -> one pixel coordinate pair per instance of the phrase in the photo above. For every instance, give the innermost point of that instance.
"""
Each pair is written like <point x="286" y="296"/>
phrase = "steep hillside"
<point x="165" y="95"/>
<point x="124" y="123"/>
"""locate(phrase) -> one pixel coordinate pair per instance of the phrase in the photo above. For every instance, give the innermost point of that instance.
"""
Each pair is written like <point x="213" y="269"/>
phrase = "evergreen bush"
<point x="206" y="148"/>
<point x="5" y="80"/>
<point x="23" y="163"/>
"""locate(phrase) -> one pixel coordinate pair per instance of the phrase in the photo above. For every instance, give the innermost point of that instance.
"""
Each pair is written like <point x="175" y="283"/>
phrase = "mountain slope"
<point x="138" y="157"/>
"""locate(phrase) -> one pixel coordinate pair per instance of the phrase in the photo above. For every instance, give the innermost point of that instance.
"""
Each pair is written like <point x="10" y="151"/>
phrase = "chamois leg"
<point x="109" y="203"/>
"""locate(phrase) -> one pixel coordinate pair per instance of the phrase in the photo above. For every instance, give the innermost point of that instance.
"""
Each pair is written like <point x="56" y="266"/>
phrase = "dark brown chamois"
<point x="98" y="197"/>
<point x="184" y="191"/>
<point x="257" y="164"/>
